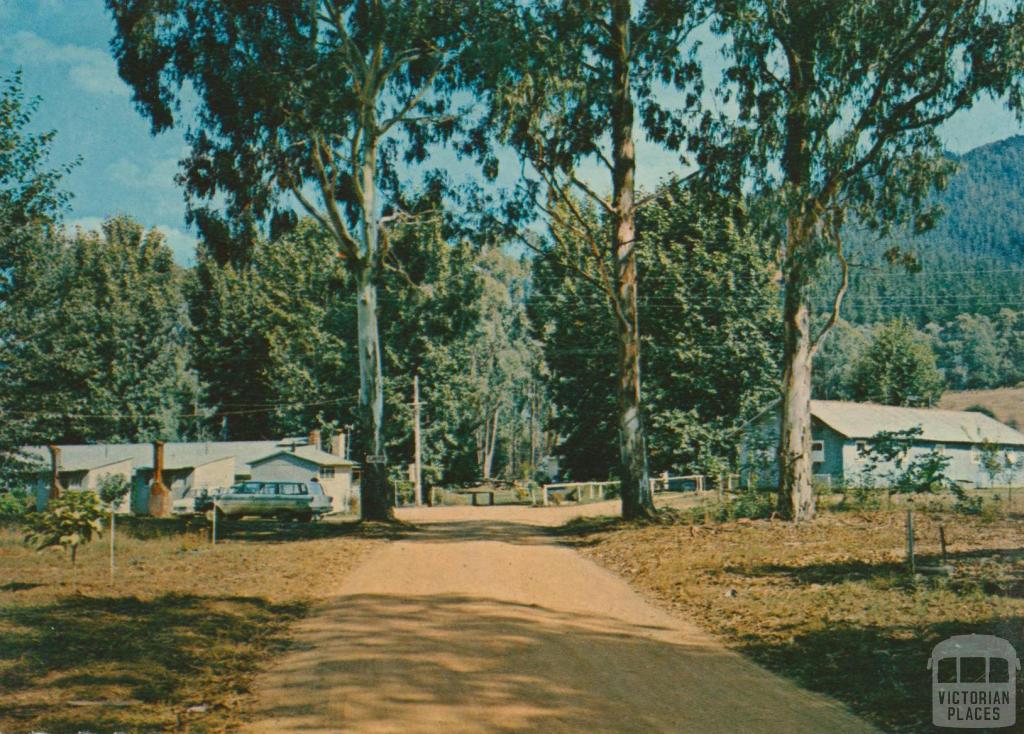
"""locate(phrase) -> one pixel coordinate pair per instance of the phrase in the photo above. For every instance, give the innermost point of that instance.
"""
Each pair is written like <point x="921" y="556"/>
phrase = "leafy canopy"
<point x="898" y="368"/>
<point x="300" y="98"/>
<point x="69" y="522"/>
<point x="839" y="102"/>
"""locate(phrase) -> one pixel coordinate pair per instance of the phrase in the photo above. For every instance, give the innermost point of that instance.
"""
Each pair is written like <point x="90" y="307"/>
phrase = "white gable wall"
<point x="287" y="467"/>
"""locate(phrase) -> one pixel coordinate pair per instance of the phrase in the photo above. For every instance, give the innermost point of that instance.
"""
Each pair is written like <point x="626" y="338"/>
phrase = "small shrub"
<point x="751" y="505"/>
<point x="865" y="497"/>
<point x="965" y="504"/>
<point x="112" y="489"/>
<point x="15" y="505"/>
<point x="70" y="521"/>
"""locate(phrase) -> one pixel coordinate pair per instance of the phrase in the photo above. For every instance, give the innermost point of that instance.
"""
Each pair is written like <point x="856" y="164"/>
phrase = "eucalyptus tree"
<point x="710" y="344"/>
<point x="838" y="105"/>
<point x="314" y="103"/>
<point x="566" y="86"/>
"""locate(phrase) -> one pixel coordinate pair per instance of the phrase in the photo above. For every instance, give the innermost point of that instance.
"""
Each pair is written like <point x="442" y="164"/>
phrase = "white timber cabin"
<point x="195" y="465"/>
<point x="840" y="431"/>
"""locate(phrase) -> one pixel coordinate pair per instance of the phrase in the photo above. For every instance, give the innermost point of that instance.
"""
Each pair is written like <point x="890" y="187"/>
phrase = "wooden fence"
<point x="597" y="490"/>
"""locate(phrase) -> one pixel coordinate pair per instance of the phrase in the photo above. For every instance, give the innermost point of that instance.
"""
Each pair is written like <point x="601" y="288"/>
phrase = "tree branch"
<point x="844" y="285"/>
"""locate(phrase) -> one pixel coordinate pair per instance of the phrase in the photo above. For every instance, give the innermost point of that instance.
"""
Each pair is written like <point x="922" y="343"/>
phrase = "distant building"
<point x="840" y="431"/>
<point x="308" y="463"/>
<point x="190" y="465"/>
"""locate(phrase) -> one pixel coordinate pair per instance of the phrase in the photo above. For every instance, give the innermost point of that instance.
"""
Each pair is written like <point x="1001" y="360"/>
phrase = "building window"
<point x="817" y="450"/>
<point x="327" y="472"/>
<point x="1011" y="457"/>
<point x="862" y="448"/>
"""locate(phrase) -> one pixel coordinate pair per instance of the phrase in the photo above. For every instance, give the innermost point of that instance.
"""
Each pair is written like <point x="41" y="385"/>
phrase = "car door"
<point x="271" y="499"/>
<point x="295" y="496"/>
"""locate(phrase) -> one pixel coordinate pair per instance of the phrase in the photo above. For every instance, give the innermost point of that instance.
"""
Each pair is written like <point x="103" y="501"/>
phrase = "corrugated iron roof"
<point x="864" y="420"/>
<point x="177" y="455"/>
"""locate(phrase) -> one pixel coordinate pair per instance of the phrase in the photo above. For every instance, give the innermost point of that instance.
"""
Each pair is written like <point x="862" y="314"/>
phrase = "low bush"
<point x="15" y="505"/>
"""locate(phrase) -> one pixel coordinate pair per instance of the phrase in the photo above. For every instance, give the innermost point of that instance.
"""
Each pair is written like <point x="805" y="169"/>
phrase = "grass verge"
<point x="174" y="644"/>
<point x="830" y="604"/>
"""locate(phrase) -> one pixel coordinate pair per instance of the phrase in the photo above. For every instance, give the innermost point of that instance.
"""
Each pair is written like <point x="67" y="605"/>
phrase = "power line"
<point x="269" y="408"/>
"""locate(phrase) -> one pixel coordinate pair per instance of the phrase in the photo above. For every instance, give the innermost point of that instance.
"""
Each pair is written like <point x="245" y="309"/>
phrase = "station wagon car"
<point x="193" y="502"/>
<point x="301" y="501"/>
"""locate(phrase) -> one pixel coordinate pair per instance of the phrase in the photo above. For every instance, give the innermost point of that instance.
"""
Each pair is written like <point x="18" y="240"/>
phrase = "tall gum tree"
<point x="312" y="104"/>
<point x="838" y="109"/>
<point x="567" y="84"/>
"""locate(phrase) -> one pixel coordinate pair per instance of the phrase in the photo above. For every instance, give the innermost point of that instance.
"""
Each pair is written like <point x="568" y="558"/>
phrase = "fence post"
<point x="910" y="541"/>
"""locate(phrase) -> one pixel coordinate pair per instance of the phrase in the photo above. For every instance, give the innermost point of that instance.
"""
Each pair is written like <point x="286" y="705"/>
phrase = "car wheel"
<point x="306" y="517"/>
<point x="283" y="516"/>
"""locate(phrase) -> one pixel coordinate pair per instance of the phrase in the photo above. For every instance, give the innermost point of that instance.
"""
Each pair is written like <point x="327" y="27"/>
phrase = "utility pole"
<point x="417" y="466"/>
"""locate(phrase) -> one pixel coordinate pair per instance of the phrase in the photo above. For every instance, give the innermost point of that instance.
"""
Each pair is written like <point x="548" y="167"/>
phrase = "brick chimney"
<point x="338" y="443"/>
<point x="314" y="438"/>
<point x="55" y="487"/>
<point x="159" y="495"/>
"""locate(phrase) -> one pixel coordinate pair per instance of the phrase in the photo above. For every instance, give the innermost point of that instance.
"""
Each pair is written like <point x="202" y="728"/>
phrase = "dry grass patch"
<point x="175" y="643"/>
<point x="831" y="604"/>
<point x="1006" y="403"/>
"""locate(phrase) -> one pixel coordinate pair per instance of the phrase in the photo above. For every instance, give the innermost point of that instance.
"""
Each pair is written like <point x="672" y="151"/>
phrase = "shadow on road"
<point x="465" y="663"/>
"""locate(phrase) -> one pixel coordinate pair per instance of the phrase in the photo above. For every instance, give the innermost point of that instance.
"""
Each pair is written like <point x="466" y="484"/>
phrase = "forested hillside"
<point x="968" y="263"/>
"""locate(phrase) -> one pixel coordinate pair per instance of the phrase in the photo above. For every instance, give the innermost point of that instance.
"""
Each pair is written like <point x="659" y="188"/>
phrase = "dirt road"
<point x="480" y="622"/>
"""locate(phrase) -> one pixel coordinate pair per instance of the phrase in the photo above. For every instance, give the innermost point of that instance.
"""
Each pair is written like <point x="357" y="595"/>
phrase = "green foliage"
<point x="751" y="505"/>
<point x="967" y="505"/>
<point x="455" y="314"/>
<point x="972" y="351"/>
<point x="838" y="110"/>
<point x="31" y="201"/>
<point x="314" y="102"/>
<point x="887" y="451"/>
<point x="69" y="522"/>
<point x="112" y="307"/>
<point x="839" y="103"/>
<point x="15" y="504"/>
<point x="898" y="368"/>
<point x="277" y="330"/>
<point x="287" y="95"/>
<point x="31" y="197"/>
<point x="834" y="363"/>
<point x="280" y="330"/>
<point x="112" y="488"/>
<point x="551" y="80"/>
<point x="968" y="263"/>
<point x="891" y="462"/>
<point x="709" y="329"/>
<point x="996" y="462"/>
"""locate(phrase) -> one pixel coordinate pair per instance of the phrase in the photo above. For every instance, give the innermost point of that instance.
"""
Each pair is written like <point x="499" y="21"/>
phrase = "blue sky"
<point x="62" y="47"/>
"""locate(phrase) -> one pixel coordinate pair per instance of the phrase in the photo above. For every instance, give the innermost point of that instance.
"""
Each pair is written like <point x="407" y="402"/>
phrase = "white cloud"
<point x="182" y="244"/>
<point x="89" y="69"/>
<point x="156" y="174"/>
<point x="89" y="224"/>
